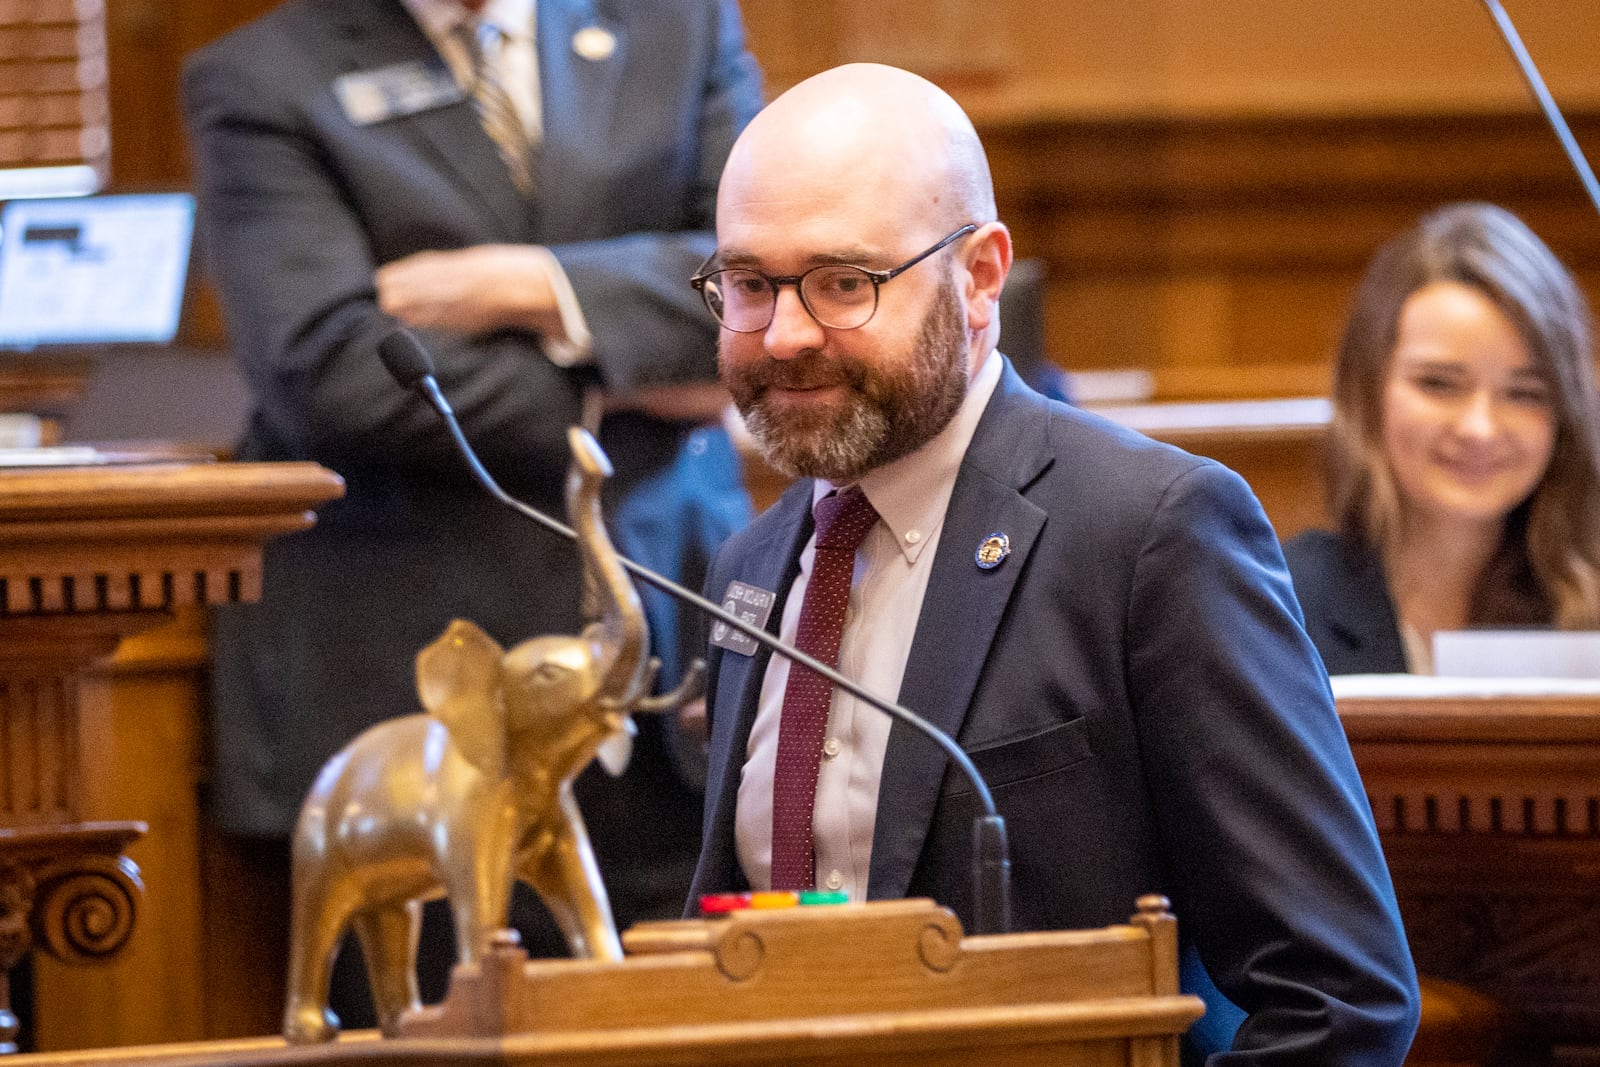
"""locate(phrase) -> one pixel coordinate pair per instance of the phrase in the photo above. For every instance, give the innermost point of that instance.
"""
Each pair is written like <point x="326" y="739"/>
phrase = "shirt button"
<point x="834" y="880"/>
<point x="913" y="536"/>
<point x="830" y="747"/>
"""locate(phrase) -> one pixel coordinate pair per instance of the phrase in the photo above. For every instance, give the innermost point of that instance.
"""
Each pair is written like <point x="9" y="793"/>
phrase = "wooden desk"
<point x="93" y="558"/>
<point x="1275" y="445"/>
<point x="1489" y="811"/>
<point x="890" y="983"/>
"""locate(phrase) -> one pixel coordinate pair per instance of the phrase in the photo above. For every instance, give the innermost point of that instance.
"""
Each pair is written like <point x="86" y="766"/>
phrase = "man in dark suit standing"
<point x="1103" y="622"/>
<point x="527" y="185"/>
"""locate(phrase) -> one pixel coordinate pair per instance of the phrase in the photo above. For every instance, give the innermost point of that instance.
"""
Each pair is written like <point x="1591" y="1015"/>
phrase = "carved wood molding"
<point x="68" y="891"/>
<point x="1489" y="811"/>
<point x="80" y="892"/>
<point x="119" y="539"/>
<point x="275" y="494"/>
<point x="1480" y="765"/>
<point x="89" y="556"/>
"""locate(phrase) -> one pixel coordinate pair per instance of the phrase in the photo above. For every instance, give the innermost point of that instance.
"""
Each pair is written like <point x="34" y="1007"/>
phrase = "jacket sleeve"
<point x="1280" y="880"/>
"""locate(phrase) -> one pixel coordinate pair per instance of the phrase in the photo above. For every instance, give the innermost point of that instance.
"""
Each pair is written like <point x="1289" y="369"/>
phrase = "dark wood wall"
<point x="1203" y="179"/>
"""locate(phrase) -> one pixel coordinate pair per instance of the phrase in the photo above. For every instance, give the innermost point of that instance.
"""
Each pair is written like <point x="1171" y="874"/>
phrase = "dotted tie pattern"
<point x="843" y="520"/>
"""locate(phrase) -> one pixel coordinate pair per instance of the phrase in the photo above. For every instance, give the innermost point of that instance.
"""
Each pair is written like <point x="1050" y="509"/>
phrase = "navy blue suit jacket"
<point x="1134" y="683"/>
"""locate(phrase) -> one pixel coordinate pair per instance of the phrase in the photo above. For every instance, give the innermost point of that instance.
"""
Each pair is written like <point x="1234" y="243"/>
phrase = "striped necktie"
<point x="496" y="110"/>
<point x="843" y="521"/>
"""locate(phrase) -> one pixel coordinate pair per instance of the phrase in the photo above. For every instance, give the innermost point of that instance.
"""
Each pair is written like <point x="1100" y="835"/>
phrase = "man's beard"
<point x="892" y="407"/>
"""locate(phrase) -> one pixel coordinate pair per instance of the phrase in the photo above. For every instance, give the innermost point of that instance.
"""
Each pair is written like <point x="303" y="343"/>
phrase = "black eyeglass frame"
<point x="877" y="277"/>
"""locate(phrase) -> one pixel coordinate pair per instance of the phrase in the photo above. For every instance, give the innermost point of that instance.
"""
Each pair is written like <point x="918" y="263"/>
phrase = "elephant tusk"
<point x="692" y="687"/>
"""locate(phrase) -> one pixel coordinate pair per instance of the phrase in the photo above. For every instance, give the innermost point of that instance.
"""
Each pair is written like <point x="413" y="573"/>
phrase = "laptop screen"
<point x="93" y="270"/>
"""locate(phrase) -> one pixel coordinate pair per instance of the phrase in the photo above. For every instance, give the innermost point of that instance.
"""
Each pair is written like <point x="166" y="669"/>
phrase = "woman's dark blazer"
<point x="1345" y="598"/>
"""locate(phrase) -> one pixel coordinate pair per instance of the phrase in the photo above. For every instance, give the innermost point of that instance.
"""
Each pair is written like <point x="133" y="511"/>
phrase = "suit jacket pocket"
<point x="1018" y="759"/>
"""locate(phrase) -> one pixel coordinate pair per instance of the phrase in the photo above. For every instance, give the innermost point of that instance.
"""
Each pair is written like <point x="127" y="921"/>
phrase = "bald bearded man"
<point x="1104" y="622"/>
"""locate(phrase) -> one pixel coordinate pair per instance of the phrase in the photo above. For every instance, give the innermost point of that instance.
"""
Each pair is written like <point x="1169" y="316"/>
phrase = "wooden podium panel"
<point x="891" y="983"/>
<point x="1488" y="805"/>
<point x="104" y="574"/>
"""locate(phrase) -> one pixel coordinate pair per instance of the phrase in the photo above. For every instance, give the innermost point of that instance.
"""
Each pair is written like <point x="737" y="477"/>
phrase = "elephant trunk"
<point x="611" y="603"/>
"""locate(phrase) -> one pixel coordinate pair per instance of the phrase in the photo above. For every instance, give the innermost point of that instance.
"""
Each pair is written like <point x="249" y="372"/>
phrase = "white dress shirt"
<point x="886" y="592"/>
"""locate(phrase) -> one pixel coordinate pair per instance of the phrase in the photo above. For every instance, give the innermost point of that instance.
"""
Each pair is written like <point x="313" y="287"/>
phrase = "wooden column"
<point x="104" y="572"/>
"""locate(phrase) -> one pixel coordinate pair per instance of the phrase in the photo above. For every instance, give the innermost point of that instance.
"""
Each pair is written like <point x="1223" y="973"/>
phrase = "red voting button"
<point x="723" y="903"/>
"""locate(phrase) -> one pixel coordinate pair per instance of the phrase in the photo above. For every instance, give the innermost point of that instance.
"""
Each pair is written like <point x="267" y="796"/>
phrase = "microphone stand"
<point x="409" y="363"/>
<point x="1547" y="103"/>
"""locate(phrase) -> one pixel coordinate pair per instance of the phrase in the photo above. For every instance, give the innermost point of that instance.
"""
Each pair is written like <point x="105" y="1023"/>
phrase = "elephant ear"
<point x="458" y="679"/>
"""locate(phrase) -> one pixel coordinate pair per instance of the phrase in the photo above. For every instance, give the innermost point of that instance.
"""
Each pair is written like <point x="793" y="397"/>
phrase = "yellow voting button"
<point x="771" y="901"/>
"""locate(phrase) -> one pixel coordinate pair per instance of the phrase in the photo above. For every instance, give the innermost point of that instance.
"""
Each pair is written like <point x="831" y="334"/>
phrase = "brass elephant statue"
<point x="476" y="792"/>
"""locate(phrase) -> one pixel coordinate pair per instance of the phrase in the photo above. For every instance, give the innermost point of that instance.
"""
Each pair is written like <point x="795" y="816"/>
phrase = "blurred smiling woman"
<point x="1463" y="470"/>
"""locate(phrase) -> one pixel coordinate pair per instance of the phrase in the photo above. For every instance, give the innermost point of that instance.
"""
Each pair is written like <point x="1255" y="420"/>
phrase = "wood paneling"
<point x="1144" y="58"/>
<point x="147" y="40"/>
<point x="1219" y="254"/>
<point x="1204" y="180"/>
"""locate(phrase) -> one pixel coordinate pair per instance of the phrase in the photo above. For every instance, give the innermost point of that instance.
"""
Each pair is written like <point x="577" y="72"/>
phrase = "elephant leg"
<point x="567" y="879"/>
<point x="484" y="906"/>
<point x="388" y="935"/>
<point x="318" y="916"/>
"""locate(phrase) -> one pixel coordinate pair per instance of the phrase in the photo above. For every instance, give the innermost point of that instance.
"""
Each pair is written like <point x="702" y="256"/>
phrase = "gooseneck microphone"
<point x="408" y="362"/>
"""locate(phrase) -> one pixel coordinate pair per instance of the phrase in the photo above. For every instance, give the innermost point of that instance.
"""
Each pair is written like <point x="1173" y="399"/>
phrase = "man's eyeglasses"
<point x="838" y="296"/>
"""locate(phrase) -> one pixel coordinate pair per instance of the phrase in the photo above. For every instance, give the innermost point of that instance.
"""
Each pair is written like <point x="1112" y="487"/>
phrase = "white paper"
<point x="1369" y="686"/>
<point x="1517" y="653"/>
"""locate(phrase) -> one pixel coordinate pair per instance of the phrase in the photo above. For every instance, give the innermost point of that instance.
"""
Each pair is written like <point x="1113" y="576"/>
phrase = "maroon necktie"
<point x="843" y="520"/>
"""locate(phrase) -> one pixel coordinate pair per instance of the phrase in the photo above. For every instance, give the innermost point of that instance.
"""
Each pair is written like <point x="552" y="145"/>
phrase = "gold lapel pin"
<point x="993" y="551"/>
<point x="594" y="43"/>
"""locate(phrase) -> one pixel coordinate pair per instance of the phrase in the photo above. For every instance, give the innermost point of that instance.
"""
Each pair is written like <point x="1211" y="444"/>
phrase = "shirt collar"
<point x="910" y="494"/>
<point x="439" y="18"/>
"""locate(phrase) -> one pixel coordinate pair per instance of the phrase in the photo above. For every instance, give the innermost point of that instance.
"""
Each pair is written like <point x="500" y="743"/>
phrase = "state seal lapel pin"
<point x="993" y="551"/>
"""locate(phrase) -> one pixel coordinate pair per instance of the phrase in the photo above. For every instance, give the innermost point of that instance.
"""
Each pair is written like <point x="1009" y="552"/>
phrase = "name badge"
<point x="749" y="605"/>
<point x="369" y="96"/>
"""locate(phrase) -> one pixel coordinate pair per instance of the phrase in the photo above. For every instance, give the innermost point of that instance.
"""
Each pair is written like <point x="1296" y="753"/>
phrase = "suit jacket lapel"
<point x="580" y="107"/>
<point x="376" y="35"/>
<point x="1361" y="615"/>
<point x="960" y="616"/>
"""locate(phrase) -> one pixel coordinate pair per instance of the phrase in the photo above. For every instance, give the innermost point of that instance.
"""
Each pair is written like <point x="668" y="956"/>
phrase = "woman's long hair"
<point x="1548" y="569"/>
